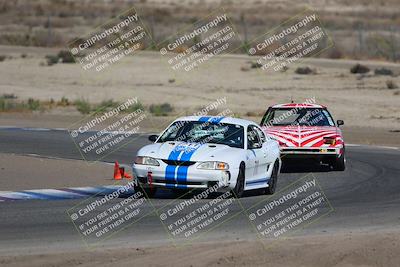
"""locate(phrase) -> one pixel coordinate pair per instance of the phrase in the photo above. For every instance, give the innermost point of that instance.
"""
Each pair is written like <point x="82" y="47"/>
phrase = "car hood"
<point x="188" y="151"/>
<point x="303" y="136"/>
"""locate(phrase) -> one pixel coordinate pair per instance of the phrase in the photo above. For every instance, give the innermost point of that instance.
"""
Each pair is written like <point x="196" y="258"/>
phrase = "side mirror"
<point x="153" y="137"/>
<point x="340" y="122"/>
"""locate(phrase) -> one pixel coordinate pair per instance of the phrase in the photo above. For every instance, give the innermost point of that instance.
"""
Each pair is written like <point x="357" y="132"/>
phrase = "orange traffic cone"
<point x="117" y="171"/>
<point x="123" y="173"/>
<point x="127" y="176"/>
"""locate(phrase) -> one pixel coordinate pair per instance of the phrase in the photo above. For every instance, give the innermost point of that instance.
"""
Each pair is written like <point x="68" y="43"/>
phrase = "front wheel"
<point x="273" y="180"/>
<point x="239" y="187"/>
<point x="148" y="192"/>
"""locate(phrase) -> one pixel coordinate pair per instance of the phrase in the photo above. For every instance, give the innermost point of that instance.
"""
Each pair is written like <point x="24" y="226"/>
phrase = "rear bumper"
<point x="318" y="151"/>
<point x="311" y="151"/>
<point x="189" y="178"/>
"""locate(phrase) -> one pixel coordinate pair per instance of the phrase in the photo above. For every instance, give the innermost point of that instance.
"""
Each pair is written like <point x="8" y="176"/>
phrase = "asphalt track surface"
<point x="365" y="197"/>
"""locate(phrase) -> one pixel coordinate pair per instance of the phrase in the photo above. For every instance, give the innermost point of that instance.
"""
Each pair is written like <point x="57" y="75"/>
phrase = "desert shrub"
<point x="181" y="49"/>
<point x="391" y="84"/>
<point x="161" y="109"/>
<point x="9" y="104"/>
<point x="255" y="65"/>
<point x="134" y="108"/>
<point x="251" y="114"/>
<point x="244" y="68"/>
<point x="24" y="55"/>
<point x="284" y="68"/>
<point x="358" y="68"/>
<point x="63" y="102"/>
<point x="66" y="57"/>
<point x="105" y="104"/>
<point x="304" y="70"/>
<point x="2" y="58"/>
<point x="83" y="106"/>
<point x="52" y="59"/>
<point x="3" y="104"/>
<point x="33" y="104"/>
<point x="383" y="71"/>
<point x="9" y="96"/>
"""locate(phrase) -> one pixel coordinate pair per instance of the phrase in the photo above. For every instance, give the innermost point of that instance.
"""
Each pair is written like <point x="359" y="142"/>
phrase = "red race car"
<point x="308" y="131"/>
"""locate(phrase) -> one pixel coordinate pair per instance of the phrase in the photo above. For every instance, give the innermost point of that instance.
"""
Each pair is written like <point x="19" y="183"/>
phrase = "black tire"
<point x="273" y="180"/>
<point x="339" y="163"/>
<point x="239" y="187"/>
<point x="151" y="192"/>
<point x="178" y="192"/>
<point x="148" y="193"/>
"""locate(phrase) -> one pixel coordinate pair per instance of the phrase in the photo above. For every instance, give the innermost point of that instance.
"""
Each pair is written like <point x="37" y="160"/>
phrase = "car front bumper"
<point x="183" y="177"/>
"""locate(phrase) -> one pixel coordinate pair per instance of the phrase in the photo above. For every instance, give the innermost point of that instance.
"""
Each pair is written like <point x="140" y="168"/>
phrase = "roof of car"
<point x="216" y="119"/>
<point x="298" y="105"/>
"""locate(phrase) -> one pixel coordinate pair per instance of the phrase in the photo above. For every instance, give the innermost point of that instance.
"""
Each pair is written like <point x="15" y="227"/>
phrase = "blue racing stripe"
<point x="77" y="191"/>
<point x="170" y="169"/>
<point x="182" y="170"/>
<point x="216" y="119"/>
<point x="63" y="193"/>
<point x="182" y="174"/>
<point x="6" y="198"/>
<point x="41" y="196"/>
<point x="259" y="181"/>
<point x="204" y="119"/>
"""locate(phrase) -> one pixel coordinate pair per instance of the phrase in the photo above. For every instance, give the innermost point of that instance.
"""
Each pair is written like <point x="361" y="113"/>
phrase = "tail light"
<point x="329" y="140"/>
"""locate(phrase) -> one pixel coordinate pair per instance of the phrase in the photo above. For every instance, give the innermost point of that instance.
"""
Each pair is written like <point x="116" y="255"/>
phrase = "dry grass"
<point x="356" y="35"/>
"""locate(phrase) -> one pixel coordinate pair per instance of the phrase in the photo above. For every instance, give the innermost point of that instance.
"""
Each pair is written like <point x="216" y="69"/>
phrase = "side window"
<point x="328" y="116"/>
<point x="261" y="135"/>
<point x="252" y="138"/>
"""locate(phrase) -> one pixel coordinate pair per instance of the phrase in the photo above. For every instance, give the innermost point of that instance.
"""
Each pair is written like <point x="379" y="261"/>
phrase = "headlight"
<point x="213" y="165"/>
<point x="146" y="161"/>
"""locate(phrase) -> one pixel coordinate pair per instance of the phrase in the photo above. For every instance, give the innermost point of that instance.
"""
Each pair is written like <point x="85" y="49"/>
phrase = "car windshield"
<point x="205" y="132"/>
<point x="296" y="116"/>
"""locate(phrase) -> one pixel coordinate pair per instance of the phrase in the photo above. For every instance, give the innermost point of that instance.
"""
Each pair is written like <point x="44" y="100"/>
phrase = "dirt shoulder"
<point x="350" y="249"/>
<point x="26" y="172"/>
<point x="371" y="136"/>
<point x="360" y="99"/>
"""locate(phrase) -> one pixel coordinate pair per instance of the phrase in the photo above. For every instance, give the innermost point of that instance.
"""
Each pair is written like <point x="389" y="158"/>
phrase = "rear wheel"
<point x="273" y="180"/>
<point x="239" y="187"/>
<point x="339" y="163"/>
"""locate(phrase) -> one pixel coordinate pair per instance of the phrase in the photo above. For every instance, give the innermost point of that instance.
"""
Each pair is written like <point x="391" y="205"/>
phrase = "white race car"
<point x="202" y="152"/>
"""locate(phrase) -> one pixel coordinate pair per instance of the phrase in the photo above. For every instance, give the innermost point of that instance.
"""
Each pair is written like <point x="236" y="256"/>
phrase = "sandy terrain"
<point x="360" y="28"/>
<point x="343" y="249"/>
<point x="359" y="100"/>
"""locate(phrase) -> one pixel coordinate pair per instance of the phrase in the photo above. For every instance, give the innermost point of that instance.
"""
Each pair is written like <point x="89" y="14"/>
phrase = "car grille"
<point x="178" y="162"/>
